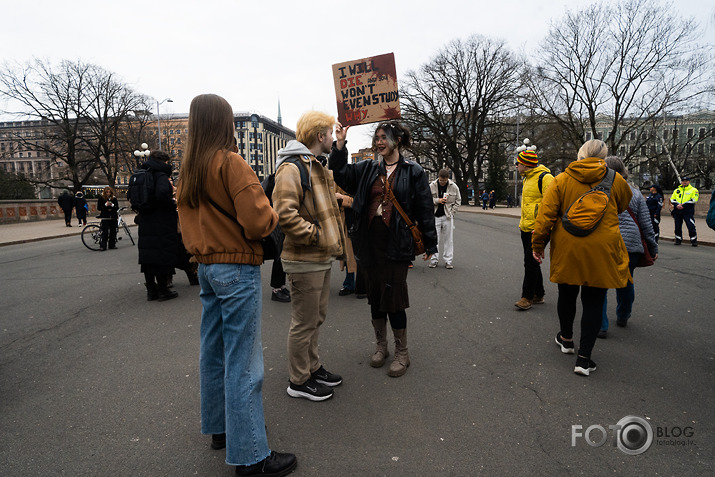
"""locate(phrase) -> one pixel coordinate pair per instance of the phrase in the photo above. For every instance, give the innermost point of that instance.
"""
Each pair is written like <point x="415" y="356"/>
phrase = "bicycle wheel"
<point x="92" y="236"/>
<point x="126" y="229"/>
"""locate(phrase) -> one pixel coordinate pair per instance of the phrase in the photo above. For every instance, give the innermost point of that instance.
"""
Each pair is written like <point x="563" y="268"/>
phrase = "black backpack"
<point x="141" y="190"/>
<point x="269" y="183"/>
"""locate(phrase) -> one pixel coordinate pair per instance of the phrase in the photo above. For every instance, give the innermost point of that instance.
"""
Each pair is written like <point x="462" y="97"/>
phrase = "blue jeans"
<point x="624" y="296"/>
<point x="231" y="360"/>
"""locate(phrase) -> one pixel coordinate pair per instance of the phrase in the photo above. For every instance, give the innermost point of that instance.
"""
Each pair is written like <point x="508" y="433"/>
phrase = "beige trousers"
<point x="309" y="294"/>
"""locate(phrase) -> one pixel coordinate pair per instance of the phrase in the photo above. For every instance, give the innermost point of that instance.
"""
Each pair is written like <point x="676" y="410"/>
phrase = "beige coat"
<point x="599" y="259"/>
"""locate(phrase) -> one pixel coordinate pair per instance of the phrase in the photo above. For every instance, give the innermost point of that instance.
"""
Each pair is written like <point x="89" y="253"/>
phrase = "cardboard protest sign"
<point x="366" y="90"/>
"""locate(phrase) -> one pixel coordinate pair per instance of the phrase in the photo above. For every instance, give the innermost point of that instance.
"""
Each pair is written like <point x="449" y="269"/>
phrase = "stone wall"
<point x="14" y="211"/>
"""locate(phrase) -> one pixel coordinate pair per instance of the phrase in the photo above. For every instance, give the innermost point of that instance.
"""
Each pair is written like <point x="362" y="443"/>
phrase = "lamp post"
<point x="144" y="152"/>
<point x="158" y="117"/>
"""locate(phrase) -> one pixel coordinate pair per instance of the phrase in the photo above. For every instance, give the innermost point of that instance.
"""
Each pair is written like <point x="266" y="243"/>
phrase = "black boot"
<point x="162" y="283"/>
<point x="151" y="291"/>
<point x="192" y="273"/>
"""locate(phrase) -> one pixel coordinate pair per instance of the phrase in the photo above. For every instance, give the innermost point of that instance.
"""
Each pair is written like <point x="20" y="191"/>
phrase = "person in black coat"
<point x="80" y="206"/>
<point x="159" y="243"/>
<point x="655" y="206"/>
<point x="66" y="202"/>
<point x="108" y="206"/>
<point x="382" y="242"/>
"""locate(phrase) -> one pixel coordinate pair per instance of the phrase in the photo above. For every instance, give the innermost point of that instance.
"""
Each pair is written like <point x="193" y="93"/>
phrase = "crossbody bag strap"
<point x="393" y="199"/>
<point x="220" y="209"/>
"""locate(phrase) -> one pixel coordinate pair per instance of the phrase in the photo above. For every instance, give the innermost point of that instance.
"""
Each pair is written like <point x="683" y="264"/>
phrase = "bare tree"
<point x="83" y="113"/>
<point x="630" y="62"/>
<point x="457" y="105"/>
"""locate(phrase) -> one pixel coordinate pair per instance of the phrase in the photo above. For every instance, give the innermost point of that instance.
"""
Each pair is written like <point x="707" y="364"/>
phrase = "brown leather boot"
<point x="378" y="359"/>
<point x="402" y="358"/>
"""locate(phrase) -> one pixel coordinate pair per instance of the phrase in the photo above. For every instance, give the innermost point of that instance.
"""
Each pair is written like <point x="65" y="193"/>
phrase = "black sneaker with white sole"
<point x="310" y="390"/>
<point x="584" y="366"/>
<point x="323" y="376"/>
<point x="566" y="346"/>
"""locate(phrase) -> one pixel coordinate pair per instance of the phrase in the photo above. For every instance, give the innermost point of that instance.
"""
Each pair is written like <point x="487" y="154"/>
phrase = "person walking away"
<point x="310" y="219"/>
<point x="682" y="206"/>
<point x="447" y="199"/>
<point x="159" y="243"/>
<point x="383" y="244"/>
<point x="107" y="205"/>
<point x="485" y="200"/>
<point x="631" y="232"/>
<point x="587" y="264"/>
<point x="492" y="199"/>
<point x="655" y="204"/>
<point x="80" y="205"/>
<point x="224" y="214"/>
<point x="536" y="179"/>
<point x="66" y="203"/>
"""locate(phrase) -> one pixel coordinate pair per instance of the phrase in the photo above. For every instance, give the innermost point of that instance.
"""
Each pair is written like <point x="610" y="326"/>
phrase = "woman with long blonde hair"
<point x="224" y="214"/>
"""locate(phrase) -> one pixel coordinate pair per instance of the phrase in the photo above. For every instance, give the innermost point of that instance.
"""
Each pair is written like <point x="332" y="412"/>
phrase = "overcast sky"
<point x="254" y="53"/>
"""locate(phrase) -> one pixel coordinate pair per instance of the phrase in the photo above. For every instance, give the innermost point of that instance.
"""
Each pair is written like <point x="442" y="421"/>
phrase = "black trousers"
<point x="109" y="232"/>
<point x="679" y="217"/>
<point x="278" y="276"/>
<point x="533" y="284"/>
<point x="592" y="303"/>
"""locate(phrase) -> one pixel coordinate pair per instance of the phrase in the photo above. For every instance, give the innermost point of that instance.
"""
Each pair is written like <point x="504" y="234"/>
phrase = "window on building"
<point x="599" y="135"/>
<point x="701" y="133"/>
<point x="675" y="134"/>
<point x="633" y="136"/>
<point x="701" y="149"/>
<point x="690" y="148"/>
<point x="712" y="148"/>
<point x="178" y="140"/>
<point x="171" y="131"/>
<point x="588" y="136"/>
<point x="622" y="151"/>
<point x="29" y="154"/>
<point x="690" y="133"/>
<point x="171" y="141"/>
<point x="21" y="154"/>
<point x="665" y="134"/>
<point x="643" y="150"/>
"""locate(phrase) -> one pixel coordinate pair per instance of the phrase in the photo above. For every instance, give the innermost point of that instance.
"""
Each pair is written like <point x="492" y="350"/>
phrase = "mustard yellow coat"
<point x="599" y="259"/>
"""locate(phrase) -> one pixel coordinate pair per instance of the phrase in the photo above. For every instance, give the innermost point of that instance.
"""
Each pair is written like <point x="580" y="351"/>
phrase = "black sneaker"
<point x="277" y="464"/>
<point x="323" y="376"/>
<point x="218" y="441"/>
<point x="678" y="242"/>
<point x="566" y="346"/>
<point x="280" y="295"/>
<point x="310" y="390"/>
<point x="584" y="366"/>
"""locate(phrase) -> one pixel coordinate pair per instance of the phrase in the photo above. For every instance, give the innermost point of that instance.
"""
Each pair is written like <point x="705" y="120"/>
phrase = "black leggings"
<point x="592" y="302"/>
<point x="398" y="319"/>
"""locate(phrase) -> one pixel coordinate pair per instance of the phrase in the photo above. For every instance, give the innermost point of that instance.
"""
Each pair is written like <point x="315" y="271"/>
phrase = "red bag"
<point x="646" y="259"/>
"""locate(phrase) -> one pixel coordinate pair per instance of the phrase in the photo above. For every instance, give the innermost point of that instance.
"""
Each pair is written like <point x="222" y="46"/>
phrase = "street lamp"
<point x="158" y="116"/>
<point x="144" y="152"/>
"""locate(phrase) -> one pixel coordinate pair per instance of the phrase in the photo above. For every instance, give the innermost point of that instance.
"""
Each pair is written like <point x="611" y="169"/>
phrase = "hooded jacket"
<point x="630" y="231"/>
<point x="411" y="190"/>
<point x="531" y="196"/>
<point x="210" y="236"/>
<point x="309" y="219"/>
<point x="599" y="259"/>
<point x="158" y="237"/>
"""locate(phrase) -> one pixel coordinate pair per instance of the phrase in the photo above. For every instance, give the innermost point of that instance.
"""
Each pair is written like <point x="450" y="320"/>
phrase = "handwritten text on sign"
<point x="366" y="90"/>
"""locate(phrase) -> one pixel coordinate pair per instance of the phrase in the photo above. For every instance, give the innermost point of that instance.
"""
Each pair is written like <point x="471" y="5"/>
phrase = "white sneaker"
<point x="449" y="266"/>
<point x="433" y="265"/>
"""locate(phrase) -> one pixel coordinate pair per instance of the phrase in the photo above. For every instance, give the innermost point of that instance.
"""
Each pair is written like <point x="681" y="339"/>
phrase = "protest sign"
<point x="366" y="90"/>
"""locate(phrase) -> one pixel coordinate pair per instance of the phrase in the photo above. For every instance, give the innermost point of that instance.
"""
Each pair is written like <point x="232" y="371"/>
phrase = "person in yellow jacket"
<point x="537" y="179"/>
<point x="682" y="207"/>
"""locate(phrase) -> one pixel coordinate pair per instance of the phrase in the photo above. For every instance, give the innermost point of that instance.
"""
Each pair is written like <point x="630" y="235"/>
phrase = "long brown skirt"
<point x="387" y="279"/>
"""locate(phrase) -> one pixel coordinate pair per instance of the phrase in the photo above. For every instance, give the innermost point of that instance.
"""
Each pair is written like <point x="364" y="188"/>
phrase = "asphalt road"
<point x="96" y="381"/>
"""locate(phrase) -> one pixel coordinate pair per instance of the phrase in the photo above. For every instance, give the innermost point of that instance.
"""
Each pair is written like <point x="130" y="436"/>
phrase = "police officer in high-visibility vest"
<point x="682" y="205"/>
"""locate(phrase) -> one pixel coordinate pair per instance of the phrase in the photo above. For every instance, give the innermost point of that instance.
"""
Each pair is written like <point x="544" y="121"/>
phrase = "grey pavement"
<point x="96" y="381"/>
<point x="47" y="229"/>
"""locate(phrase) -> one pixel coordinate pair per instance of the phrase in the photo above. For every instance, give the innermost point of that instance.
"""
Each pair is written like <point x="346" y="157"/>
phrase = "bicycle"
<point x="92" y="233"/>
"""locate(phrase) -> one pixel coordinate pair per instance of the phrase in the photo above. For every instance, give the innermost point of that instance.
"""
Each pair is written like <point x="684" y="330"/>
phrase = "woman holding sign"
<point x="382" y="241"/>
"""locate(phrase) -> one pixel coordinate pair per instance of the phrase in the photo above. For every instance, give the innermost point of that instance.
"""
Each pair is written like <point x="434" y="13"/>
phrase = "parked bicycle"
<point x="92" y="233"/>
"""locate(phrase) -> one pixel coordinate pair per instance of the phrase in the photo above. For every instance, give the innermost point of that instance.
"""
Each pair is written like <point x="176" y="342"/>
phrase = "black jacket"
<point x="66" y="202"/>
<point x="412" y="191"/>
<point x="108" y="211"/>
<point x="158" y="236"/>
